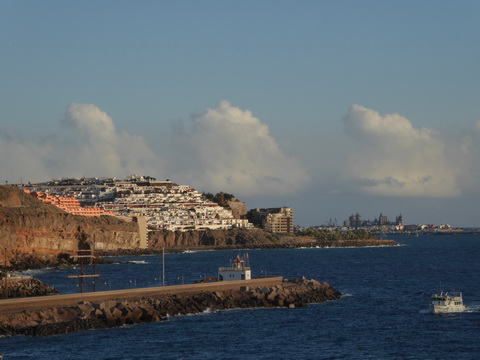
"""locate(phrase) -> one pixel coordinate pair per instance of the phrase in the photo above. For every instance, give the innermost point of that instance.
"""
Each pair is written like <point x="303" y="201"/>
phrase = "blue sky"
<point x="330" y="107"/>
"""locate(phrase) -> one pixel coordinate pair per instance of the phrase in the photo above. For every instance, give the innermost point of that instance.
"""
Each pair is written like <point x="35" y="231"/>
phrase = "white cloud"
<point x="21" y="159"/>
<point x="103" y="150"/>
<point x="231" y="150"/>
<point x="392" y="157"/>
<point x="98" y="150"/>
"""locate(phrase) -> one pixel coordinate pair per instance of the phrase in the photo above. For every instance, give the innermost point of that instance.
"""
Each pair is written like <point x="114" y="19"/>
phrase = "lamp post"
<point x="5" y="274"/>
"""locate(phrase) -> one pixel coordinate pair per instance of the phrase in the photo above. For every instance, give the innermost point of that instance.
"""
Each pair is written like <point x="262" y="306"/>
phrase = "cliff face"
<point x="239" y="209"/>
<point x="29" y="227"/>
<point x="213" y="238"/>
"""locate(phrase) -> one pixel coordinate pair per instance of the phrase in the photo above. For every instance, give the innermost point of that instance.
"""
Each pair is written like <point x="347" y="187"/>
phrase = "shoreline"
<point x="314" y="244"/>
<point x="31" y="262"/>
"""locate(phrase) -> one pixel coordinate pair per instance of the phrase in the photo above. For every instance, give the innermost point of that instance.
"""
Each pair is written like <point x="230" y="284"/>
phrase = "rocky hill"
<point x="33" y="232"/>
<point x="36" y="234"/>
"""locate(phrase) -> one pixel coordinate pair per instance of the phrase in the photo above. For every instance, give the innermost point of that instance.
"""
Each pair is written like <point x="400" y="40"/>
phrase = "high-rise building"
<point x="275" y="220"/>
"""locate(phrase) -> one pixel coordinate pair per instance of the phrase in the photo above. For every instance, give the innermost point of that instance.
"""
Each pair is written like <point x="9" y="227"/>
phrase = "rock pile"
<point x="25" y="287"/>
<point x="293" y="293"/>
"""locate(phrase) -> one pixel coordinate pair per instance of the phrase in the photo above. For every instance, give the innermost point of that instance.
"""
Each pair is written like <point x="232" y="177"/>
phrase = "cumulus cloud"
<point x="98" y="149"/>
<point x="232" y="150"/>
<point x="392" y="157"/>
<point x="102" y="149"/>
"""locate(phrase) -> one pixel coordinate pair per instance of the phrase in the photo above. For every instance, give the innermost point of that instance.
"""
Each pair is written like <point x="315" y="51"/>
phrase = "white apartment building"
<point x="168" y="206"/>
<point x="163" y="204"/>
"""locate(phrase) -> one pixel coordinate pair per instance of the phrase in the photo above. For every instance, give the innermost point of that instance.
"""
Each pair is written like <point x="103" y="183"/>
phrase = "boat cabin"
<point x="445" y="303"/>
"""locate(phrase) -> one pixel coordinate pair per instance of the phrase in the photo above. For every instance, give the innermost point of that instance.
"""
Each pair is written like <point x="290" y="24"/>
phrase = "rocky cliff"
<point x="31" y="231"/>
<point x="251" y="238"/>
<point x="239" y="209"/>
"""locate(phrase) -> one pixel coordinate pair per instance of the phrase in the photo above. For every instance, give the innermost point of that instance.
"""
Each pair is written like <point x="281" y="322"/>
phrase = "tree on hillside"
<point x="220" y="198"/>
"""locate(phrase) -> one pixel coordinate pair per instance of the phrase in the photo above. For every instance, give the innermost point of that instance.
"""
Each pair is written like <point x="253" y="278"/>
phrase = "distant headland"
<point x="37" y="234"/>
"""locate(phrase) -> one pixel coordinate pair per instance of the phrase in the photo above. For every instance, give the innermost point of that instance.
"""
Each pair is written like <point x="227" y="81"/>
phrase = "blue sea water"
<point x="383" y="315"/>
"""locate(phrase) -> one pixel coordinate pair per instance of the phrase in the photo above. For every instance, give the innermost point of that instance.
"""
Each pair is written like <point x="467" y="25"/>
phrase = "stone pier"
<point x="59" y="314"/>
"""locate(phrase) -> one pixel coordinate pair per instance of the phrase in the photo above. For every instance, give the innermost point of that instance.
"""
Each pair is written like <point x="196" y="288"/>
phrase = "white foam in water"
<point x="426" y="311"/>
<point x="472" y="308"/>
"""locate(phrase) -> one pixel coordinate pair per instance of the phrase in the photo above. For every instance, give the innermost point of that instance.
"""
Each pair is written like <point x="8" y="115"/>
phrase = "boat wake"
<point x="426" y="311"/>
<point x="472" y="309"/>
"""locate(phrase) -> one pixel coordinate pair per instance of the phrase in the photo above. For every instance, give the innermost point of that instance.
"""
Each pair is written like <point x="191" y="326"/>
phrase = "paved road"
<point x="40" y="302"/>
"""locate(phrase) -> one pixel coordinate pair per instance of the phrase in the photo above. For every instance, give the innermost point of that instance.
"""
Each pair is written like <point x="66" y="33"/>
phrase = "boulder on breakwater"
<point x="25" y="287"/>
<point x="113" y="313"/>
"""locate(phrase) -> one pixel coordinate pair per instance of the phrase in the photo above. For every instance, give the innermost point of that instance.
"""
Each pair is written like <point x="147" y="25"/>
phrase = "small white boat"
<point x="445" y="303"/>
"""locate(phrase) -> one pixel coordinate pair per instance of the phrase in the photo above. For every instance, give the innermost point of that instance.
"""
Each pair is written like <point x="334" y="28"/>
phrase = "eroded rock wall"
<point x="212" y="238"/>
<point x="30" y="228"/>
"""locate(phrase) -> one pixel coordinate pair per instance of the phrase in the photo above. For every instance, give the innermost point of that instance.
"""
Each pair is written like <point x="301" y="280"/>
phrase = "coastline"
<point x="299" y="244"/>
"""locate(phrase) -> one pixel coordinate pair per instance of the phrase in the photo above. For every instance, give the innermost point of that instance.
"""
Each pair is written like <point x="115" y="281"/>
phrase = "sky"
<point x="330" y="107"/>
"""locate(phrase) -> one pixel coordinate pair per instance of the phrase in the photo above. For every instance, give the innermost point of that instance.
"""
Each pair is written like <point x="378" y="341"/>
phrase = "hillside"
<point x="32" y="231"/>
<point x="37" y="234"/>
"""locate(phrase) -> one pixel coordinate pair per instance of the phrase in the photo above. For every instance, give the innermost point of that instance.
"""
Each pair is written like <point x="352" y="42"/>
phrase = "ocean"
<point x="384" y="313"/>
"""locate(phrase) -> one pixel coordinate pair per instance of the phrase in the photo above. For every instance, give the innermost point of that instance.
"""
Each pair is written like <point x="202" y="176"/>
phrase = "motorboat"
<point x="445" y="303"/>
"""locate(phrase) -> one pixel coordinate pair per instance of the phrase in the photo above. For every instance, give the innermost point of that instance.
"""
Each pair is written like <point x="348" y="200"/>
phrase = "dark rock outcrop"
<point x="25" y="287"/>
<point x="209" y="238"/>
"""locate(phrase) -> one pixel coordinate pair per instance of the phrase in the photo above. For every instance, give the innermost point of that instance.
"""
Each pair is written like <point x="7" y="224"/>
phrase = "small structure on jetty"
<point x="239" y="269"/>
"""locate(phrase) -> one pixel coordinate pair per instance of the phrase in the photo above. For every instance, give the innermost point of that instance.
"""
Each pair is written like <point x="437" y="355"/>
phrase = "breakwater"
<point x="57" y="315"/>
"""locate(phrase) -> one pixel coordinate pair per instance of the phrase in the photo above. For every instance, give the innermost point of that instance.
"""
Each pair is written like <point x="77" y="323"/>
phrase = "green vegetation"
<point x="336" y="234"/>
<point x="273" y="238"/>
<point x="220" y="198"/>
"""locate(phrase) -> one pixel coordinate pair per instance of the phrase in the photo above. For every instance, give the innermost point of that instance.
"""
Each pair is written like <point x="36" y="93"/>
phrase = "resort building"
<point x="163" y="204"/>
<point x="68" y="204"/>
<point x="275" y="220"/>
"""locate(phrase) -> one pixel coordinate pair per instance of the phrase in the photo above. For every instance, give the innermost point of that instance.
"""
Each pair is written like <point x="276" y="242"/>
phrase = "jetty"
<point x="43" y="302"/>
<point x="59" y="314"/>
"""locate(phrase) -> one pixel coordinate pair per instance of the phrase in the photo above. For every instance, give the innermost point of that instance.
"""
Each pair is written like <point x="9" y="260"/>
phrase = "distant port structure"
<point x="382" y="223"/>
